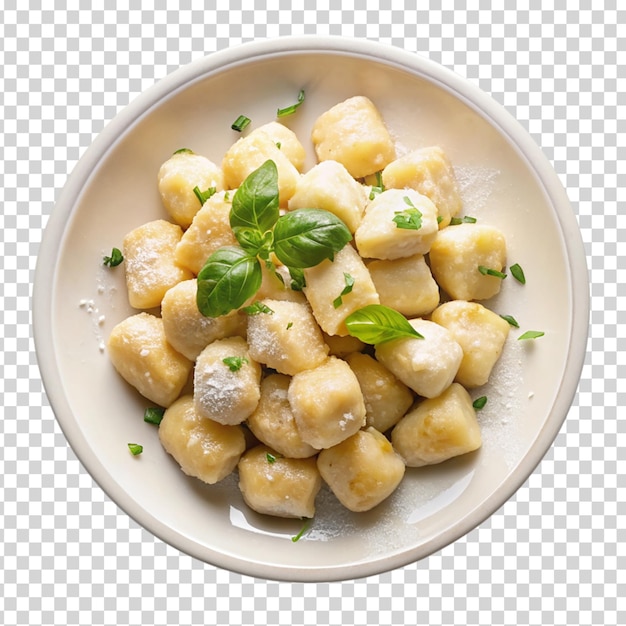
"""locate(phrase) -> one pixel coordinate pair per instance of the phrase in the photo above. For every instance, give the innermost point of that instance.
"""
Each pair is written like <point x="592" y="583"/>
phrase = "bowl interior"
<point x="113" y="190"/>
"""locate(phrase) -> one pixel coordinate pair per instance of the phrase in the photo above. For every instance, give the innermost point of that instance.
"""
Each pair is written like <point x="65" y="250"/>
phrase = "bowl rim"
<point x="217" y="62"/>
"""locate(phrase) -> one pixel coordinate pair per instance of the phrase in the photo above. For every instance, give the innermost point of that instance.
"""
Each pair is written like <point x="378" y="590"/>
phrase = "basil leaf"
<point x="298" y="282"/>
<point x="376" y="323"/>
<point x="229" y="277"/>
<point x="305" y="237"/>
<point x="255" y="203"/>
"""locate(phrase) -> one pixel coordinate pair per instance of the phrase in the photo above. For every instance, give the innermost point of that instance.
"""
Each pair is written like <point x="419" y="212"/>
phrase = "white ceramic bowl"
<point x="505" y="180"/>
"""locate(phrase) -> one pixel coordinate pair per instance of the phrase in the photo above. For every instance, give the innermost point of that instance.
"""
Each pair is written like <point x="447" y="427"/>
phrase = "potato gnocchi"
<point x="282" y="389"/>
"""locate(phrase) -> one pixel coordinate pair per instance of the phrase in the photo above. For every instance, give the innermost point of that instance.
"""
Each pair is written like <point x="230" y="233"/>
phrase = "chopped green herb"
<point x="183" y="151"/>
<point x="305" y="527"/>
<point x="227" y="196"/>
<point x="292" y="107"/>
<point x="240" y="123"/>
<point x="439" y="219"/>
<point x="479" y="403"/>
<point x="153" y="415"/>
<point x="279" y="145"/>
<point x="203" y="196"/>
<point x="234" y="363"/>
<point x="257" y="307"/>
<point x="488" y="271"/>
<point x="531" y="334"/>
<point x="409" y="219"/>
<point x="349" y="280"/>
<point x="379" y="187"/>
<point x="115" y="259"/>
<point x="271" y="457"/>
<point x="135" y="449"/>
<point x="518" y="273"/>
<point x="511" y="320"/>
<point x="290" y="325"/>
<point x="455" y="221"/>
<point x="376" y="323"/>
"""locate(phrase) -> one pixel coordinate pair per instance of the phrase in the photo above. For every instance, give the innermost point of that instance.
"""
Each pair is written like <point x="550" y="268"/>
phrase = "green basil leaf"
<point x="229" y="277"/>
<point x="376" y="323"/>
<point x="305" y="237"/>
<point x="298" y="281"/>
<point x="255" y="203"/>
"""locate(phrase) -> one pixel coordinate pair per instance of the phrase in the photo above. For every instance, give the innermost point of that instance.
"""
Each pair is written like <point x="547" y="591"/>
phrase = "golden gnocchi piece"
<point x="279" y="486"/>
<point x="428" y="365"/>
<point x="150" y="263"/>
<point x="178" y="177"/>
<point x="249" y="153"/>
<point x="226" y="384"/>
<point x="406" y="285"/>
<point x="203" y="448"/>
<point x="342" y="345"/>
<point x="209" y="231"/>
<point x="386" y="398"/>
<point x="327" y="403"/>
<point x="287" y="338"/>
<point x="353" y="132"/>
<point x="277" y="285"/>
<point x="428" y="171"/>
<point x="326" y="281"/>
<point x="481" y="333"/>
<point x="273" y="422"/>
<point x="386" y="231"/>
<point x="438" y="429"/>
<point x="330" y="187"/>
<point x="186" y="329"/>
<point x="142" y="356"/>
<point x="286" y="141"/>
<point x="458" y="253"/>
<point x="362" y="470"/>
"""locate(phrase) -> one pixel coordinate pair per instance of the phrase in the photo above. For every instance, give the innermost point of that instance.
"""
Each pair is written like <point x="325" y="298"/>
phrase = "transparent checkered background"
<point x="554" y="554"/>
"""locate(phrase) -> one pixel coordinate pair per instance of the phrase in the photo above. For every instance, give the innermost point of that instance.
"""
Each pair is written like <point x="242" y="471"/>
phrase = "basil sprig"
<point x="299" y="239"/>
<point x="376" y="323"/>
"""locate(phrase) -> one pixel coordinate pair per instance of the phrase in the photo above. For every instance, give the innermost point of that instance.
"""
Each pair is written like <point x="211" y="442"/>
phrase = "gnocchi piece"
<point x="406" y="285"/>
<point x="438" y="429"/>
<point x="481" y="333"/>
<point x="178" y="177"/>
<point x="326" y="281"/>
<point x="386" y="398"/>
<point x="203" y="448"/>
<point x="384" y="232"/>
<point x="150" y="263"/>
<point x="186" y="329"/>
<point x="342" y="346"/>
<point x="428" y="171"/>
<point x="353" y="132"/>
<point x="286" y="141"/>
<point x="329" y="186"/>
<point x="249" y="153"/>
<point x="209" y="231"/>
<point x="226" y="384"/>
<point x="279" y="486"/>
<point x="457" y="254"/>
<point x="277" y="286"/>
<point x="141" y="354"/>
<point x="362" y="470"/>
<point x="273" y="422"/>
<point x="428" y="365"/>
<point x="327" y="403"/>
<point x="287" y="339"/>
